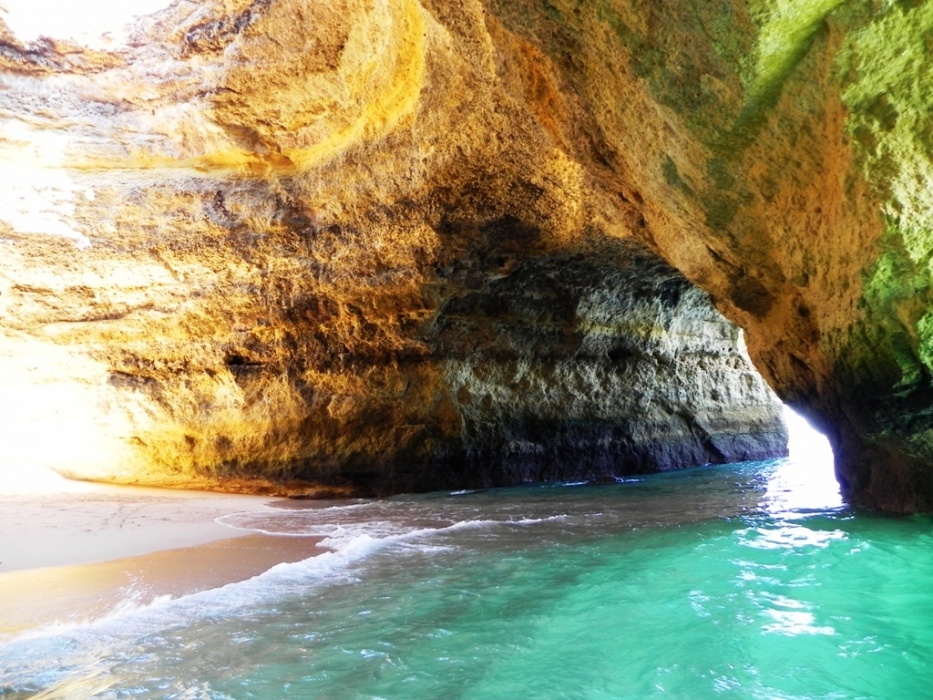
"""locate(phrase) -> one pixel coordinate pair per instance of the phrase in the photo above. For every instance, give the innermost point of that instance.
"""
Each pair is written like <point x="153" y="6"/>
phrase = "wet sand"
<point x="32" y="598"/>
<point x="83" y="550"/>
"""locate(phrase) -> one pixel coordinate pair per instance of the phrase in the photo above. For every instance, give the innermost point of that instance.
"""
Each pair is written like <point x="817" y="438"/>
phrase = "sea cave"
<point x="376" y="254"/>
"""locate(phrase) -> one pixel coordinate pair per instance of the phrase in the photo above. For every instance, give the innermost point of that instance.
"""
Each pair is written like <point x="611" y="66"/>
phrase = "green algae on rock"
<point x="791" y="138"/>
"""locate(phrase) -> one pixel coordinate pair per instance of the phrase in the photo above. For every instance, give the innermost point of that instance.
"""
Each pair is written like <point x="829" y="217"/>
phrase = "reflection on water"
<point x="787" y="536"/>
<point x="795" y="490"/>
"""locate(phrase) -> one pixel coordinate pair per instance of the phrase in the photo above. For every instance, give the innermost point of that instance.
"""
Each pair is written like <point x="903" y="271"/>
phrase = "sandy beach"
<point x="71" y="551"/>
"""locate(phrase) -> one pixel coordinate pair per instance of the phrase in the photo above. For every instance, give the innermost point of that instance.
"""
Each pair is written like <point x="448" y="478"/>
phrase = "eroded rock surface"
<point x="782" y="150"/>
<point x="399" y="245"/>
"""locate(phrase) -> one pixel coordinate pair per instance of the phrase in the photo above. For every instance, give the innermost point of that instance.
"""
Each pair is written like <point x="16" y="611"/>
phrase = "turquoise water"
<point x="720" y="582"/>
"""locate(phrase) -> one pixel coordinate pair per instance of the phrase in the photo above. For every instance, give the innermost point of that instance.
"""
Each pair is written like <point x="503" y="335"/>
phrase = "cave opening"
<point x="419" y="250"/>
<point x="806" y="480"/>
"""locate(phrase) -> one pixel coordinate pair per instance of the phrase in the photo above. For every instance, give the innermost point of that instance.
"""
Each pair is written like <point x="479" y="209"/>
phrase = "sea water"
<point x="720" y="582"/>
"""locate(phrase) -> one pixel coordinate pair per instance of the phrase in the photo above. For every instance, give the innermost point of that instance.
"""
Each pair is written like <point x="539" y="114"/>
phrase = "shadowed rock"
<point x="344" y="242"/>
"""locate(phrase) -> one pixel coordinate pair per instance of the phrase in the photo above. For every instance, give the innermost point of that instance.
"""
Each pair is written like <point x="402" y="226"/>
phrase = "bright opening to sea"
<point x="741" y="581"/>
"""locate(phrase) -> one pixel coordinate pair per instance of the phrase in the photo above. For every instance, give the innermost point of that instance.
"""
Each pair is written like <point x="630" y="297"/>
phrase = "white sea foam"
<point x="130" y="620"/>
<point x="295" y="526"/>
<point x="328" y="523"/>
<point x="149" y="646"/>
<point x="51" y="655"/>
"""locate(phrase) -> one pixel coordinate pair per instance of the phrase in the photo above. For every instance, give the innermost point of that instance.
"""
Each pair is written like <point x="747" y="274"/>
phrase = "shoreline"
<point x="92" y="523"/>
<point x="61" y="595"/>
<point x="84" y="550"/>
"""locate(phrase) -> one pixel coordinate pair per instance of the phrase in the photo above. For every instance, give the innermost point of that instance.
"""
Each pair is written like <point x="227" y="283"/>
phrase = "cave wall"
<point x="351" y="247"/>
<point x="245" y="184"/>
<point x="791" y="139"/>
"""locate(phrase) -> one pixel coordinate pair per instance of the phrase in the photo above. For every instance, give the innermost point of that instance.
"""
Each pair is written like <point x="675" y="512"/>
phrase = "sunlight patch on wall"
<point x="97" y="23"/>
<point x="40" y="201"/>
<point x="18" y="481"/>
<point x="54" y="417"/>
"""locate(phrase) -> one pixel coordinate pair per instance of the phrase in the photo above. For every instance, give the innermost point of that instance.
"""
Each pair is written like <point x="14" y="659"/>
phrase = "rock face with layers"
<point x="353" y="247"/>
<point x="347" y="241"/>
<point x="791" y="139"/>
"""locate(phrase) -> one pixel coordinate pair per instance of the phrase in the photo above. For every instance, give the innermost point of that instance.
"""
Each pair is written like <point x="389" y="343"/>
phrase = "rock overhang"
<point x="768" y="150"/>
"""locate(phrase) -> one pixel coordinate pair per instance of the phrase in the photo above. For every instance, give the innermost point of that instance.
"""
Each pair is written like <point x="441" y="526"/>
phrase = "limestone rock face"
<point x="369" y="246"/>
<point x="782" y="150"/>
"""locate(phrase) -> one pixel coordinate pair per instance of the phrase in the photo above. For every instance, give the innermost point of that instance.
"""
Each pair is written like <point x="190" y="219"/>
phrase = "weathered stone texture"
<point x="782" y="152"/>
<point x="402" y="244"/>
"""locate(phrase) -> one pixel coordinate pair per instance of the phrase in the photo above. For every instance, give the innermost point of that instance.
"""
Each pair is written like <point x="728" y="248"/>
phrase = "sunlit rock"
<point x="782" y="151"/>
<point x="402" y="244"/>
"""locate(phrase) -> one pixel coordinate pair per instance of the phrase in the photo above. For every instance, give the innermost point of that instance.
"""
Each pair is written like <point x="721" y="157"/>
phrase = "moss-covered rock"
<point x="791" y="138"/>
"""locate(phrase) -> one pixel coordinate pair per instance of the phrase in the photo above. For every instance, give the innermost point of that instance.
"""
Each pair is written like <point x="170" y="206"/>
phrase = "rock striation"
<point x="398" y="244"/>
<point x="342" y="247"/>
<point x="790" y="138"/>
